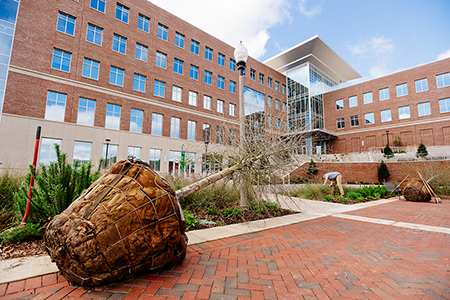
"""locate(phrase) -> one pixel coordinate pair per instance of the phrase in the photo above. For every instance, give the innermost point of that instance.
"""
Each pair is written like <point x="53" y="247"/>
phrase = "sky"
<point x="376" y="38"/>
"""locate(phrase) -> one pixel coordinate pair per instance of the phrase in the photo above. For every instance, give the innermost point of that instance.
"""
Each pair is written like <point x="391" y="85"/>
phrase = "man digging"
<point x="334" y="178"/>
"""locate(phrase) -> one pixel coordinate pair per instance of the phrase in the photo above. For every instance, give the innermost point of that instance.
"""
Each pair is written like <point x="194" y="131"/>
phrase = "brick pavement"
<point x="325" y="258"/>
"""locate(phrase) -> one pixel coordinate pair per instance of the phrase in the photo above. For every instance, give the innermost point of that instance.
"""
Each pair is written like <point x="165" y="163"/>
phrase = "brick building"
<point x="130" y="78"/>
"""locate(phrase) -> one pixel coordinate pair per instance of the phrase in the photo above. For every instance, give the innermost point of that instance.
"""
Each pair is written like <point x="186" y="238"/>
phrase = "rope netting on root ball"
<point x="416" y="190"/>
<point x="126" y="222"/>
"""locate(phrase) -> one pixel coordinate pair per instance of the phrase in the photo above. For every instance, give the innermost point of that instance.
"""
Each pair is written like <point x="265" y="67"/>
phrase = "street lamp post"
<point x="241" y="55"/>
<point x="387" y="135"/>
<point x="106" y="155"/>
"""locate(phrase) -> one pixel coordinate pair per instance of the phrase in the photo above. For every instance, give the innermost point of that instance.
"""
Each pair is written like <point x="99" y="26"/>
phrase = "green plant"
<point x="191" y="220"/>
<point x="383" y="171"/>
<point x="9" y="185"/>
<point x="422" y="151"/>
<point x="329" y="198"/>
<point x="397" y="141"/>
<point x="388" y="153"/>
<point x="312" y="169"/>
<point x="232" y="212"/>
<point x="311" y="191"/>
<point x="21" y="233"/>
<point x="213" y="211"/>
<point x="56" y="187"/>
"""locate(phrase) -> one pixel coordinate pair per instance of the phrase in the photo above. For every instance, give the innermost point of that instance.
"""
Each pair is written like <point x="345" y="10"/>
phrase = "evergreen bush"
<point x="421" y="151"/>
<point x="383" y="171"/>
<point x="388" y="153"/>
<point x="312" y="169"/>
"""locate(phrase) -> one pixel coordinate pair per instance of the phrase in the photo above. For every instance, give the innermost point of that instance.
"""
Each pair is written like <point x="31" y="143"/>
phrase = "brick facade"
<point x="433" y="129"/>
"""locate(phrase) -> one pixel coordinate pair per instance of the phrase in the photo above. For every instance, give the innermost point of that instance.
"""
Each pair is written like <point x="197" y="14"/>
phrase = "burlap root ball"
<point x="126" y="222"/>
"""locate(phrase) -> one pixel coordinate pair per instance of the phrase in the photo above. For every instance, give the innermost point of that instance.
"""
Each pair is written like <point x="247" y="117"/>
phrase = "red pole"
<point x="30" y="193"/>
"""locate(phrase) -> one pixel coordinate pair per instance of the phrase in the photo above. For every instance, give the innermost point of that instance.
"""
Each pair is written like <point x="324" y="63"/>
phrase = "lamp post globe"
<point x="240" y="56"/>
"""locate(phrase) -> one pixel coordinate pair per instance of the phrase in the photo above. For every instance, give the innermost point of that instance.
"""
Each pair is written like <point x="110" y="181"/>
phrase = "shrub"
<point x="421" y="151"/>
<point x="21" y="233"/>
<point x="398" y="142"/>
<point x="191" y="221"/>
<point x="56" y="187"/>
<point x="312" y="169"/>
<point x="9" y="185"/>
<point x="388" y="152"/>
<point x="383" y="171"/>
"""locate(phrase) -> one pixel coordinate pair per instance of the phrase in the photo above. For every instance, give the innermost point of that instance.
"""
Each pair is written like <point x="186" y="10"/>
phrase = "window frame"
<point x="161" y="59"/>
<point x="178" y="66"/>
<point x="159" y="88"/>
<point x="232" y="109"/>
<point x="208" y="53"/>
<point x="221" y="59"/>
<point x="91" y="67"/>
<point x="145" y="21"/>
<point x="191" y="130"/>
<point x="195" y="46"/>
<point x="193" y="72"/>
<point x="372" y="115"/>
<point x="207" y="102"/>
<point x="175" y="127"/>
<point x="95" y="33"/>
<point x="123" y="12"/>
<point x="386" y="113"/>
<point x="163" y="32"/>
<point x="157" y="124"/>
<point x="402" y="89"/>
<point x="179" y="40"/>
<point x="220" y="106"/>
<point x="119" y="74"/>
<point x="118" y="42"/>
<point x="192" y="98"/>
<point x="220" y="82"/>
<point x="51" y="114"/>
<point x="425" y="107"/>
<point x="444" y="105"/>
<point x="445" y="80"/>
<point x="111" y="115"/>
<point x="232" y="87"/>
<point x="340" y="123"/>
<point x="69" y="19"/>
<point x="400" y="112"/>
<point x="141" y="82"/>
<point x="64" y="56"/>
<point x="89" y="111"/>
<point x="207" y="77"/>
<point x="382" y="94"/>
<point x="141" y="49"/>
<point x="352" y="101"/>
<point x="354" y="121"/>
<point x="420" y="86"/>
<point x="177" y="93"/>
<point x="99" y="7"/>
<point x="366" y="99"/>
<point x="136" y="115"/>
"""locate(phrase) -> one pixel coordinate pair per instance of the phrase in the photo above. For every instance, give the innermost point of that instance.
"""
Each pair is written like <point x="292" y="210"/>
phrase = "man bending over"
<point x="335" y="178"/>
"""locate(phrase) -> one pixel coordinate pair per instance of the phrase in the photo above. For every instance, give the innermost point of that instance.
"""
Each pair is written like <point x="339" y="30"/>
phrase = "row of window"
<point x="56" y="102"/>
<point x="423" y="109"/>
<point x="66" y="24"/>
<point x="442" y="80"/>
<point x="82" y="153"/>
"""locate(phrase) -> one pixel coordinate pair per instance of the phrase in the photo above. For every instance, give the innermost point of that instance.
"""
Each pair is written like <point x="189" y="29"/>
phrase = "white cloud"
<point x="234" y="20"/>
<point x="309" y="12"/>
<point x="374" y="55"/>
<point x="443" y="55"/>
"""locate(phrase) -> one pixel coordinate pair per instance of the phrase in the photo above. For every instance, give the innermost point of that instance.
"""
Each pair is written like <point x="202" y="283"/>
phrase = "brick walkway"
<point x="325" y="258"/>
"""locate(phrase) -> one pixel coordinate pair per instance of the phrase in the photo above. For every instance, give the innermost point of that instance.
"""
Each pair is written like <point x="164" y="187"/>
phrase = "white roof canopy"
<point x="319" y="54"/>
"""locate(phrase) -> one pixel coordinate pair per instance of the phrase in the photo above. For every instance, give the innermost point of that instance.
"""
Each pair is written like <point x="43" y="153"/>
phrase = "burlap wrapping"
<point x="415" y="190"/>
<point x="128" y="221"/>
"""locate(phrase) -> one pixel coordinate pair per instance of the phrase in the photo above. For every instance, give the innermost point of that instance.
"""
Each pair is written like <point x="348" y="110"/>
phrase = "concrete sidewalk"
<point x="328" y="251"/>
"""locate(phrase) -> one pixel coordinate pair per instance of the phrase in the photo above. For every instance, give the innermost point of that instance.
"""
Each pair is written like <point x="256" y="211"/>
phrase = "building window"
<point x="269" y="82"/>
<point x="61" y="60"/>
<point x="194" y="47"/>
<point x="119" y="43"/>
<point x="261" y="78"/>
<point x="421" y="85"/>
<point x="136" y="120"/>
<point x="155" y="159"/>
<point x="386" y="115"/>
<point x="160" y="59"/>
<point x="162" y="32"/>
<point x="283" y="89"/>
<point x="47" y="153"/>
<point x="193" y="73"/>
<point x="193" y="98"/>
<point x="370" y="119"/>
<point x="402" y="90"/>
<point x="56" y="106"/>
<point x="158" y="88"/>
<point x="221" y="59"/>
<point x="269" y="100"/>
<point x="252" y="74"/>
<point x="339" y="104"/>
<point x="444" y="105"/>
<point x="277" y="123"/>
<point x="207" y="77"/>
<point x="340" y="123"/>
<point x="90" y="68"/>
<point x="277" y="86"/>
<point x="232" y="87"/>
<point x="232" y="109"/>
<point x="112" y="154"/>
<point x="179" y="40"/>
<point x="368" y="98"/>
<point x="220" y="82"/>
<point x="94" y="34"/>
<point x="284" y="106"/>
<point x="141" y="52"/>
<point x="206" y="102"/>
<point x="178" y="66"/>
<point x="206" y="132"/>
<point x="175" y="127"/>
<point x="284" y="125"/>
<point x="403" y="112"/>
<point x="352" y="101"/>
<point x="232" y="137"/>
<point x="98" y="5"/>
<point x="143" y="23"/>
<point x="112" y="116"/>
<point x="191" y="130"/>
<point x="443" y="80"/>
<point x="277" y="104"/>
<point x="176" y="93"/>
<point x="232" y="64"/>
<point x="269" y="120"/>
<point x="134" y="152"/>
<point x="384" y="94"/>
<point x="354" y="121"/>
<point x="157" y="124"/>
<point x="86" y="112"/>
<point x="82" y="152"/>
<point x="139" y="83"/>
<point x="424" y="109"/>
<point x="208" y="53"/>
<point x="219" y="135"/>
<point x="116" y="76"/>
<point x="65" y="23"/>
<point x="122" y="13"/>
<point x="220" y="105"/>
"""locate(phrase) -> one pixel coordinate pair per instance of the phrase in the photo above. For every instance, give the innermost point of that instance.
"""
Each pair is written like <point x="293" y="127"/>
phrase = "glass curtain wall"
<point x="255" y="124"/>
<point x="306" y="86"/>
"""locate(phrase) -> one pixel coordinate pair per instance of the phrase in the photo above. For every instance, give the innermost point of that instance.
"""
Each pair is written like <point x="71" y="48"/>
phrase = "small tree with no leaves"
<point x="383" y="171"/>
<point x="421" y="151"/>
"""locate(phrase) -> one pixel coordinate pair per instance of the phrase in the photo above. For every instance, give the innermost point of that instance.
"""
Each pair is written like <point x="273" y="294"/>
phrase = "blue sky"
<point x="375" y="37"/>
